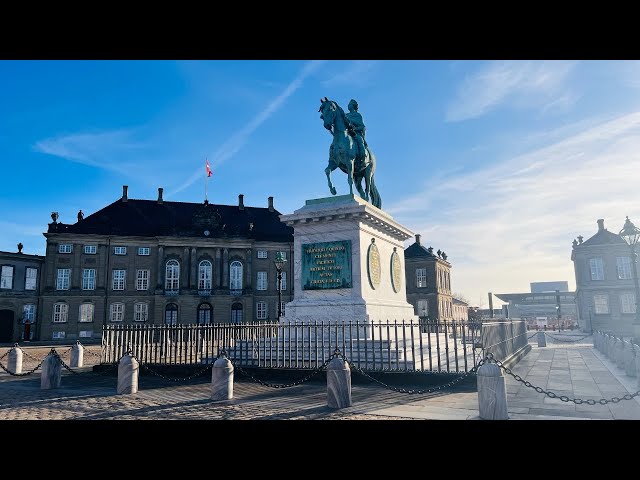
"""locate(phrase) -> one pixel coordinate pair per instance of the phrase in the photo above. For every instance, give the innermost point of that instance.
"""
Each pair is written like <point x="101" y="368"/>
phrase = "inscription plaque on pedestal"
<point x="373" y="264"/>
<point x="396" y="271"/>
<point x="326" y="265"/>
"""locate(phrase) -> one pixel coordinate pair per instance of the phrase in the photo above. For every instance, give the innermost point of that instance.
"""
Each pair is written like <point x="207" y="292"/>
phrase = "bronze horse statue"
<point x="343" y="153"/>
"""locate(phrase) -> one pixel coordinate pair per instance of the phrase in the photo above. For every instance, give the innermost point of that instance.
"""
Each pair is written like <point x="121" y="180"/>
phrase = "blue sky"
<point x="501" y="164"/>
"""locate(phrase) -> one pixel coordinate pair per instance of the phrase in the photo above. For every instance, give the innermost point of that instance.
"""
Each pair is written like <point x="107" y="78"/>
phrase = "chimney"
<point x="490" y="305"/>
<point x="270" y="199"/>
<point x="241" y="202"/>
<point x="125" y="189"/>
<point x="418" y="238"/>
<point x="601" y="224"/>
<point x="160" y="190"/>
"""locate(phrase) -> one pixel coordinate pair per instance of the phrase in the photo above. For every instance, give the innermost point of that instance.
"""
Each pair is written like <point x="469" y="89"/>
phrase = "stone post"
<point x="338" y="384"/>
<point x="542" y="339"/>
<point x="51" y="371"/>
<point x="492" y="393"/>
<point x="619" y="353"/>
<point x="636" y="350"/>
<point x="128" y="370"/>
<point x="595" y="340"/>
<point x="77" y="355"/>
<point x="222" y="379"/>
<point x="629" y="359"/>
<point x="14" y="363"/>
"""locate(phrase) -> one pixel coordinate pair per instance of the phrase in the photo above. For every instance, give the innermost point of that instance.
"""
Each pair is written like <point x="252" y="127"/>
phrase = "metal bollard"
<point x="14" y="363"/>
<point x="77" y="355"/>
<point x="338" y="384"/>
<point x="51" y="372"/>
<point x="222" y="379"/>
<point x="128" y="370"/>
<point x="542" y="339"/>
<point x="629" y="359"/>
<point x="492" y="393"/>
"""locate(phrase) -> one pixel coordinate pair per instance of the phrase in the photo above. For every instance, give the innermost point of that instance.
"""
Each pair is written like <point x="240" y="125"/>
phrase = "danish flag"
<point x="209" y="173"/>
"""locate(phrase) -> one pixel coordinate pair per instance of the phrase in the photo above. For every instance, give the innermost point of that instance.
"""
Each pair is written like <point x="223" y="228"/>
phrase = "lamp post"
<point x="631" y="234"/>
<point x="279" y="263"/>
<point x="558" y="308"/>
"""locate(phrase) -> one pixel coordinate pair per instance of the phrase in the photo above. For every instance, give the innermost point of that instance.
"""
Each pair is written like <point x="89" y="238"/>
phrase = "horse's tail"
<point x="376" y="201"/>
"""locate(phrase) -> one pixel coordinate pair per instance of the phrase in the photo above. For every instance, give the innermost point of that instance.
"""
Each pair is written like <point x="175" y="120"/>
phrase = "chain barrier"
<point x="5" y="354"/>
<point x="532" y="335"/>
<point x="568" y="341"/>
<point x="173" y="379"/>
<point x="563" y="398"/>
<point x="28" y="355"/>
<point x="23" y="374"/>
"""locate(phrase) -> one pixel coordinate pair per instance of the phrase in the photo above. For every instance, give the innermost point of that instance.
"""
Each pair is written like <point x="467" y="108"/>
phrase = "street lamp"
<point x="558" y="308"/>
<point x="631" y="234"/>
<point x="279" y="263"/>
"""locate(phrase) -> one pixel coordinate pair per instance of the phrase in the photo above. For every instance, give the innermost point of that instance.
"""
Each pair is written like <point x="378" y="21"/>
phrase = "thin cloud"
<point x="357" y="73"/>
<point x="229" y="148"/>
<point x="525" y="83"/>
<point x="513" y="222"/>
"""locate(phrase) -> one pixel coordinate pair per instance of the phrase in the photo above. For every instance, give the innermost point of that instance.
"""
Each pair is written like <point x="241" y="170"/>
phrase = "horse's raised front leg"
<point x="330" y="168"/>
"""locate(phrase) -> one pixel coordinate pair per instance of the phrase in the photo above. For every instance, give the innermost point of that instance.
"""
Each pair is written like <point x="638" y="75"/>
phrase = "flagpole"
<point x="206" y="181"/>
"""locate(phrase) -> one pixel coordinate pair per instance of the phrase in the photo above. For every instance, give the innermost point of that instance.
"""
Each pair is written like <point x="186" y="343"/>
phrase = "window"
<point x="117" y="312"/>
<point x="597" y="272"/>
<point x="261" y="311"/>
<point x="236" y="313"/>
<point x="60" y="312"/>
<point x="62" y="281"/>
<point x="88" y="279"/>
<point x="85" y="333"/>
<point x="262" y="254"/>
<point x="601" y="303"/>
<point x="282" y="304"/>
<point x="624" y="268"/>
<point x="628" y="303"/>
<point x="30" y="278"/>
<point x="86" y="312"/>
<point x="118" y="279"/>
<point x="421" y="277"/>
<point x="29" y="313"/>
<point x="204" y="314"/>
<point x="204" y="275"/>
<point x="283" y="281"/>
<point x="6" y="278"/>
<point x="172" y="275"/>
<point x="119" y="250"/>
<point x="144" y="251"/>
<point x="235" y="276"/>
<point x="142" y="279"/>
<point x="58" y="335"/>
<point x="423" y="308"/>
<point x="65" y="248"/>
<point x="141" y="312"/>
<point x="90" y="249"/>
<point x="171" y="314"/>
<point x="262" y="281"/>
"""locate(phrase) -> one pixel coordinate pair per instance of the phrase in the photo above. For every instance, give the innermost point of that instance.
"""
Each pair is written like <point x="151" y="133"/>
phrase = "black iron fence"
<point x="503" y="338"/>
<point x="453" y="347"/>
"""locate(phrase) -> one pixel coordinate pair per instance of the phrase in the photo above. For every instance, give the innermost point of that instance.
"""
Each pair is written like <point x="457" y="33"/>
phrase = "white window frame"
<point x="236" y="275"/>
<point x="60" y="312"/>
<point x="29" y="313"/>
<point x="88" y="279"/>
<point x="90" y="249"/>
<point x="627" y="302"/>
<point x="140" y="312"/>
<point x="596" y="267"/>
<point x="65" y="248"/>
<point x="283" y="281"/>
<point x="62" y="279"/>
<point x="262" y="254"/>
<point x="58" y="335"/>
<point x="120" y="250"/>
<point x="89" y="310"/>
<point x="261" y="283"/>
<point x="205" y="273"/>
<point x="6" y="280"/>
<point x="420" y="305"/>
<point x="601" y="304"/>
<point x="261" y="310"/>
<point x="174" y="314"/>
<point x="30" y="281"/>
<point x="623" y="268"/>
<point x="142" y="279"/>
<point x="282" y="304"/>
<point x="172" y="275"/>
<point x="85" y="334"/>
<point x="118" y="279"/>
<point x="116" y="312"/>
<point x="421" y="277"/>
<point x="144" y="251"/>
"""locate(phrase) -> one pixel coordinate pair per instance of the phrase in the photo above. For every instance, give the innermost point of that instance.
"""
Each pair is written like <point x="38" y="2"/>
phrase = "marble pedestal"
<point x="373" y="294"/>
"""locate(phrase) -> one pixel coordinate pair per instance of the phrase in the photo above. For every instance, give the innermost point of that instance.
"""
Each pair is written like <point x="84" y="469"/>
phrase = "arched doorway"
<point x="6" y="326"/>
<point x="236" y="313"/>
<point x="171" y="314"/>
<point x="204" y="314"/>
